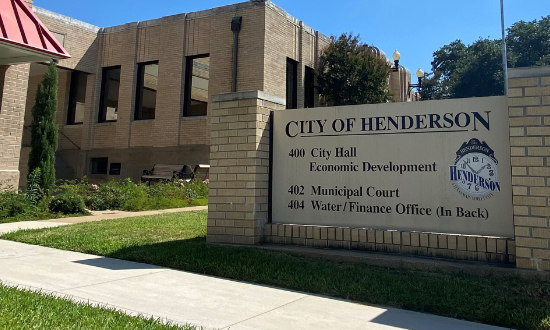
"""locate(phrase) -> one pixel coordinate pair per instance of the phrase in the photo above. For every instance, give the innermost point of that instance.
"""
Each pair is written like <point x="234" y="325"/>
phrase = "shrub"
<point x="80" y="187"/>
<point x="34" y="192"/>
<point x="67" y="203"/>
<point x="128" y="196"/>
<point x="196" y="189"/>
<point x="13" y="204"/>
<point x="112" y="195"/>
<point x="164" y="195"/>
<point x="138" y="202"/>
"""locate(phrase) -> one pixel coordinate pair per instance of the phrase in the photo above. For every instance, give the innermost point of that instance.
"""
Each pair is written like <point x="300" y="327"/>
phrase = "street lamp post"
<point x="396" y="56"/>
<point x="419" y="76"/>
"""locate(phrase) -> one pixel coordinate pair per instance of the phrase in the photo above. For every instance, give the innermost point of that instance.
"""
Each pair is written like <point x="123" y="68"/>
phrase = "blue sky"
<point x="415" y="28"/>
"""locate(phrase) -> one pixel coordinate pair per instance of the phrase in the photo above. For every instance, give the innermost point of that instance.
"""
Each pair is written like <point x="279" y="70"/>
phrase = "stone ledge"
<point x="65" y="19"/>
<point x="225" y="97"/>
<point x="490" y="249"/>
<point x="530" y="72"/>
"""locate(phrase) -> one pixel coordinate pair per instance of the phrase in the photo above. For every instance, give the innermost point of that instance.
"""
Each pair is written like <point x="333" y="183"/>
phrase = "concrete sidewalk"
<point x="95" y="216"/>
<point x="184" y="297"/>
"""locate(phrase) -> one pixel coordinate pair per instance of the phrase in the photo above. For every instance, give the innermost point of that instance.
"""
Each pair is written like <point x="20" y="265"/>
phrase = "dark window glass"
<point x="146" y="95"/>
<point x="3" y="69"/>
<point x="309" y="89"/>
<point x="197" y="78"/>
<point x="77" y="98"/>
<point x="114" y="169"/>
<point x="99" y="165"/>
<point x="291" y="84"/>
<point x="110" y="82"/>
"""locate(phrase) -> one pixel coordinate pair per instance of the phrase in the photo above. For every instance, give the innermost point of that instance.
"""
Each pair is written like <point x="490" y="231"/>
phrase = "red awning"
<point x="23" y="38"/>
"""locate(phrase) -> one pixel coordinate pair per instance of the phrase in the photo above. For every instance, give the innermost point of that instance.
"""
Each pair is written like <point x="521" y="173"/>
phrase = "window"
<point x="77" y="98"/>
<point x="197" y="76"/>
<point x="114" y="169"/>
<point x="146" y="95"/>
<point x="291" y="84"/>
<point x="99" y="165"/>
<point x="309" y="89"/>
<point x="3" y="69"/>
<point x="60" y="37"/>
<point x="110" y="83"/>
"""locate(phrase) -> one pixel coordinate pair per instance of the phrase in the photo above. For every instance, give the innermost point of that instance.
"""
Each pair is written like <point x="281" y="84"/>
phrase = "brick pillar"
<point x="13" y="88"/>
<point x="239" y="160"/>
<point x="529" y="108"/>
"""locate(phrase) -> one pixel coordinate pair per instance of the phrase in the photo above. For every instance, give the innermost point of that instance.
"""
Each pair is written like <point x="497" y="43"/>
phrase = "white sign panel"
<point x="437" y="166"/>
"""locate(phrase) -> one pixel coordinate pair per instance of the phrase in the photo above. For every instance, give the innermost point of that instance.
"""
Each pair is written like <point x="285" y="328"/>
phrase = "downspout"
<point x="236" y="28"/>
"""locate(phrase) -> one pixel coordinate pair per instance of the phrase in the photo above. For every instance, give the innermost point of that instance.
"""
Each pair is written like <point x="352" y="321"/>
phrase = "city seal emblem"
<point x="474" y="173"/>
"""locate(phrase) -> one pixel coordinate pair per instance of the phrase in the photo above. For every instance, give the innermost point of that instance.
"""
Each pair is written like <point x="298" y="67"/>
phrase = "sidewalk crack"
<point x="112" y="281"/>
<point x="268" y="311"/>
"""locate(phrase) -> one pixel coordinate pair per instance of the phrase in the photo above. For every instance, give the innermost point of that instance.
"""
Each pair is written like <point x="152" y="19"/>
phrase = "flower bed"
<point x="76" y="197"/>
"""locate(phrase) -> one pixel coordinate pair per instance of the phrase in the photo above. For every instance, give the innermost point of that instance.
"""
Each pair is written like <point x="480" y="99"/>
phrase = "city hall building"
<point x="137" y="94"/>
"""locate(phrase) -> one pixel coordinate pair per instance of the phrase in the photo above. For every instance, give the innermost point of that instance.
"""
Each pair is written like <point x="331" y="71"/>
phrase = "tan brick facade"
<point x="268" y="37"/>
<point x="529" y="108"/>
<point x="13" y="93"/>
<point x="14" y="81"/>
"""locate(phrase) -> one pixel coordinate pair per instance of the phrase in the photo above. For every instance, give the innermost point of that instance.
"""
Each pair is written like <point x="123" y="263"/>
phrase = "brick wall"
<point x="529" y="108"/>
<point x="287" y="37"/>
<point x="13" y="83"/>
<point x="79" y="39"/>
<point x="268" y="36"/>
<point x="452" y="246"/>
<point x="169" y="40"/>
<point x="70" y="136"/>
<point x="239" y="176"/>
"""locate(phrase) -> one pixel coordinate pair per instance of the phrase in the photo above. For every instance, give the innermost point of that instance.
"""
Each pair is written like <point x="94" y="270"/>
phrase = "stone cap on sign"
<point x="247" y="96"/>
<point x="534" y="71"/>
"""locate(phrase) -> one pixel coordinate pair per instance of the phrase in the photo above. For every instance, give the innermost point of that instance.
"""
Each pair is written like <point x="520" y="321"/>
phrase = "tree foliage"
<point x="44" y="130"/>
<point x="465" y="71"/>
<point x="351" y="72"/>
<point x="529" y="43"/>
<point x="460" y="70"/>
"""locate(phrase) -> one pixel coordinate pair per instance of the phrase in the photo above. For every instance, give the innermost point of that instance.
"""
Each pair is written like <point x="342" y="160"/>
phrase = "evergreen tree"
<point x="44" y="130"/>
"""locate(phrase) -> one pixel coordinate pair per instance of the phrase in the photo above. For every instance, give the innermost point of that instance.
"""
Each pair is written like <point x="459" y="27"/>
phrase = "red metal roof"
<point x="21" y="28"/>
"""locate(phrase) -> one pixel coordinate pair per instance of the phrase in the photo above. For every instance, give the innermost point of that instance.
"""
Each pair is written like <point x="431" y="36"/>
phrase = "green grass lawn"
<point x="23" y="309"/>
<point x="178" y="241"/>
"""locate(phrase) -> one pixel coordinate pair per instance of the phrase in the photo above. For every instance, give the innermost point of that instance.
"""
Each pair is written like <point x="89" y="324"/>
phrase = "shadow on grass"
<point x="497" y="300"/>
<point x="191" y="255"/>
